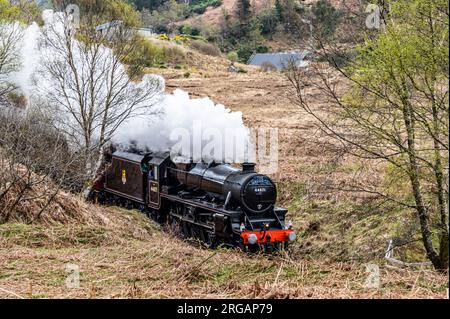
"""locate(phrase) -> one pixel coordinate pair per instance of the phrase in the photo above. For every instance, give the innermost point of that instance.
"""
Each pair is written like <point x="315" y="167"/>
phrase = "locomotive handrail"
<point x="278" y="219"/>
<point x="177" y="170"/>
<point x="188" y="172"/>
<point x="227" y="200"/>
<point x="264" y="233"/>
<point x="248" y="219"/>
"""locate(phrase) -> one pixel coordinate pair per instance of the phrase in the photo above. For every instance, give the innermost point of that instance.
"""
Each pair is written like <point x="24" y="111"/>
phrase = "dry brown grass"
<point x="204" y="66"/>
<point x="121" y="254"/>
<point x="140" y="261"/>
<point x="353" y="225"/>
<point x="205" y="47"/>
<point x="39" y="200"/>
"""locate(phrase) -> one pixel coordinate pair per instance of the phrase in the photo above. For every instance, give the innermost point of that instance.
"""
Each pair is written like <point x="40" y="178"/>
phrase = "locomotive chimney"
<point x="248" y="167"/>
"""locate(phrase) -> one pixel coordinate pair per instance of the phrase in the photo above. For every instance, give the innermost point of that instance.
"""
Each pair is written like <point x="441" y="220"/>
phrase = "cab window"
<point x="155" y="170"/>
<point x="153" y="173"/>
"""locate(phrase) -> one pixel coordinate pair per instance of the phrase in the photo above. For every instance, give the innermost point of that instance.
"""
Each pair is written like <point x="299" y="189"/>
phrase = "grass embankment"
<point x="122" y="254"/>
<point x="132" y="257"/>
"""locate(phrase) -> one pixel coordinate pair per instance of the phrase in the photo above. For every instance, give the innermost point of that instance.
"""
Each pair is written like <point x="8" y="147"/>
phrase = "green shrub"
<point x="195" y="31"/>
<point x="144" y="54"/>
<point x="262" y="48"/>
<point x="199" y="9"/>
<point x="197" y="37"/>
<point x="325" y="17"/>
<point x="17" y="99"/>
<point x="244" y="53"/>
<point x="162" y="18"/>
<point x="269" y="21"/>
<point x="232" y="56"/>
<point x="200" y="6"/>
<point x="161" y="29"/>
<point x="187" y="29"/>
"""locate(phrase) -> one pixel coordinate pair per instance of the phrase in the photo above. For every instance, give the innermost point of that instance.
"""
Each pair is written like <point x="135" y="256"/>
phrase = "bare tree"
<point x="10" y="34"/>
<point x="87" y="86"/>
<point x="35" y="164"/>
<point x="389" y="103"/>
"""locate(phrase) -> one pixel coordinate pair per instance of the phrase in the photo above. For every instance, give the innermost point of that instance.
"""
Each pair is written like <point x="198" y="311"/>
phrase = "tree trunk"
<point x="443" y="204"/>
<point x="438" y="169"/>
<point x="415" y="184"/>
<point x="443" y="251"/>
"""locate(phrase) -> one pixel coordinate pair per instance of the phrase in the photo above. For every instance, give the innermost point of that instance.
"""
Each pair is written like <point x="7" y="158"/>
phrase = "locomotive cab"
<point x="156" y="177"/>
<point x="124" y="176"/>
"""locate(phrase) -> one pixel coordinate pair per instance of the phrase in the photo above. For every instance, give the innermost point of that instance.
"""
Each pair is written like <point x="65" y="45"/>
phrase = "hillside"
<point x="212" y="16"/>
<point x="338" y="226"/>
<point x="134" y="258"/>
<point x="122" y="254"/>
<point x="362" y="167"/>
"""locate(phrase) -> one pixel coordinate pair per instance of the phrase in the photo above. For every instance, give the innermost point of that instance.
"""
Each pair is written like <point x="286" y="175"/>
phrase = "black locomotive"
<point x="217" y="203"/>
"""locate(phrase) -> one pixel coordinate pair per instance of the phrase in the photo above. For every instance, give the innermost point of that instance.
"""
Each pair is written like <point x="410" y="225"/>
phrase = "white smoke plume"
<point x="29" y="60"/>
<point x="191" y="128"/>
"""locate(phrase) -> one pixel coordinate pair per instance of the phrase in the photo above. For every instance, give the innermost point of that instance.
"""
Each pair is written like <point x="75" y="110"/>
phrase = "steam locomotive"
<point x="216" y="203"/>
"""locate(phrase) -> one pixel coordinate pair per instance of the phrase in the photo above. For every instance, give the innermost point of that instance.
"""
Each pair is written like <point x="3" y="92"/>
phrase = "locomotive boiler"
<point x="214" y="202"/>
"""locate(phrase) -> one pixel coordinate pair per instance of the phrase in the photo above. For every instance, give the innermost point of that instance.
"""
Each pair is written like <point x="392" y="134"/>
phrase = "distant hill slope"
<point x="212" y="15"/>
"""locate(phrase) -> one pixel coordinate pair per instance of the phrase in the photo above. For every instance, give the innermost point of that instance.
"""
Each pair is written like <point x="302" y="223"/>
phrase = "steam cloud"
<point x="191" y="128"/>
